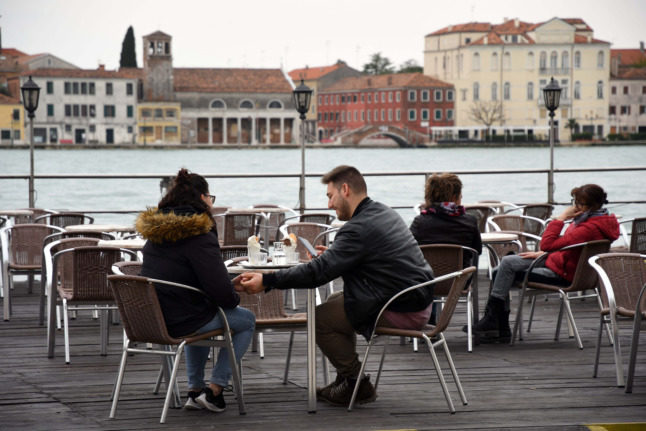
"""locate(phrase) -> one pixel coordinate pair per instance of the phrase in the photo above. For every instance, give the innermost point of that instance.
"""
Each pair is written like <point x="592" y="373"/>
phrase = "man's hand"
<point x="250" y="282"/>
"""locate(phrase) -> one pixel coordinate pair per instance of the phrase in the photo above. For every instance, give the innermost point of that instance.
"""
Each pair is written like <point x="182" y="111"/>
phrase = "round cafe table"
<point x="100" y="228"/>
<point x="13" y="213"/>
<point x="129" y="244"/>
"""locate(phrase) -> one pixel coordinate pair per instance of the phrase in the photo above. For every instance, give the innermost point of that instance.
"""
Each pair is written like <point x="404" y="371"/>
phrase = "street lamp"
<point x="551" y="94"/>
<point x="302" y="99"/>
<point x="30" y="92"/>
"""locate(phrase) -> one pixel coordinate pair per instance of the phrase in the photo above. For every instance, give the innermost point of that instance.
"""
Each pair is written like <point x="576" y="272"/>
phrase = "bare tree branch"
<point x="487" y="113"/>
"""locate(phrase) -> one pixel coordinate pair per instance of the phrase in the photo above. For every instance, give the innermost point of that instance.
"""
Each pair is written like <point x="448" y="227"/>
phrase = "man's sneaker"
<point x="215" y="403"/>
<point x="339" y="379"/>
<point x="191" y="402"/>
<point x="340" y="394"/>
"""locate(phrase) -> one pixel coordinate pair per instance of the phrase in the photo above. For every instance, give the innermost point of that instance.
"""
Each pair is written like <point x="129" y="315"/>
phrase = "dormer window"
<point x="275" y="104"/>
<point x="218" y="104"/>
<point x="246" y="104"/>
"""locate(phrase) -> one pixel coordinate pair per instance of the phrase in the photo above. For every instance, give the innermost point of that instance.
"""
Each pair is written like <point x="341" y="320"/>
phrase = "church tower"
<point x="158" y="67"/>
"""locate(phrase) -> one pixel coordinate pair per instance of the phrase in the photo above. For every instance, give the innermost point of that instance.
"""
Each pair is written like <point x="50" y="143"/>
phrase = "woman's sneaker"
<point x="191" y="402"/>
<point x="215" y="403"/>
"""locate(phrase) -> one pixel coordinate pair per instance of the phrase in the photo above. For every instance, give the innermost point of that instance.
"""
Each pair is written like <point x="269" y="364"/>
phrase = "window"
<point x="529" y="63"/>
<point x="383" y="97"/>
<point x="325" y="99"/>
<point x="354" y="98"/>
<point x="376" y="97"/>
<point x="463" y="93"/>
<point x="425" y="114"/>
<point x="437" y="114"/>
<point x="368" y="115"/>
<point x="542" y="62"/>
<point x="75" y="88"/>
<point x="565" y="89"/>
<point x="129" y="89"/>
<point x="625" y="89"/>
<point x="108" y="111"/>
<point x="92" y="88"/>
<point x="506" y="61"/>
<point x="376" y="117"/>
<point x="342" y="114"/>
<point x="412" y="115"/>
<point x="275" y="104"/>
<point x="363" y="116"/>
<point x="600" y="60"/>
<point x="383" y="115"/>
<point x="390" y="96"/>
<point x="92" y="110"/>
<point x="494" y="61"/>
<point x="390" y="115"/>
<point x="476" y="91"/>
<point x="363" y="97"/>
<point x="600" y="90"/>
<point x="108" y="89"/>
<point x="475" y="63"/>
<point x="170" y="113"/>
<point x="325" y="116"/>
<point x="398" y="96"/>
<point x="129" y="111"/>
<point x="53" y="135"/>
<point x="449" y="95"/>
<point x="67" y="87"/>
<point x="50" y="87"/>
<point x="320" y="100"/>
<point x="449" y="114"/>
<point x="246" y="104"/>
<point x="83" y="87"/>
<point x="644" y="89"/>
<point x="398" y="115"/>
<point x="494" y="91"/>
<point x="554" y="60"/>
<point x="83" y="110"/>
<point x="577" y="90"/>
<point x="68" y="127"/>
<point x="75" y="110"/>
<point x="437" y="95"/>
<point x="577" y="59"/>
<point x="565" y="60"/>
<point x="130" y="129"/>
<point x="337" y="99"/>
<point x="612" y="110"/>
<point x="15" y="115"/>
<point x="355" y="115"/>
<point x="159" y="113"/>
<point x="625" y="110"/>
<point x="50" y="110"/>
<point x="506" y="91"/>
<point x="425" y="96"/>
<point x="613" y="90"/>
<point x="412" y="95"/>
<point x="642" y="109"/>
<point x="530" y="91"/>
<point x="342" y="99"/>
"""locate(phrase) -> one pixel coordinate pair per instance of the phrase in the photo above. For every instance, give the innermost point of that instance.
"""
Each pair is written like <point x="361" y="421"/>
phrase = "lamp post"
<point x="302" y="99"/>
<point x="30" y="92"/>
<point x="551" y="94"/>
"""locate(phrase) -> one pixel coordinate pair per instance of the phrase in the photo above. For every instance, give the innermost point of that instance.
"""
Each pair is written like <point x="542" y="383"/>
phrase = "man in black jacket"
<point x="377" y="257"/>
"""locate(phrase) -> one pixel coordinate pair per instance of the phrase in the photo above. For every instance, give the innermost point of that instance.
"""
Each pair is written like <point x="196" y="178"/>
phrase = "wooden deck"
<point x="538" y="384"/>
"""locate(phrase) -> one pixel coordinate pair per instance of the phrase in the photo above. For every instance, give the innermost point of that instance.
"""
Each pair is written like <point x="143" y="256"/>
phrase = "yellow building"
<point x="158" y="122"/>
<point x="507" y="65"/>
<point x="12" y="120"/>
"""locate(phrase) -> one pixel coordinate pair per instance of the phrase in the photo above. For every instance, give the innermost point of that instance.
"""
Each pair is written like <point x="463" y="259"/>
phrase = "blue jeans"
<point x="242" y="323"/>
<point x="512" y="268"/>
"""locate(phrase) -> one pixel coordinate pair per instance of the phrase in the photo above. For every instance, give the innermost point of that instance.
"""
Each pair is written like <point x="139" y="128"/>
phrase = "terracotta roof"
<point x="308" y="73"/>
<point x="395" y="80"/>
<point x="231" y="80"/>
<point x="12" y="52"/>
<point x="492" y="39"/>
<point x="468" y="27"/>
<point x="578" y="23"/>
<point x="158" y="34"/>
<point x="6" y="100"/>
<point x="628" y="57"/>
<point x="578" y="38"/>
<point x="509" y="27"/>
<point x="638" y="73"/>
<point x="78" y="73"/>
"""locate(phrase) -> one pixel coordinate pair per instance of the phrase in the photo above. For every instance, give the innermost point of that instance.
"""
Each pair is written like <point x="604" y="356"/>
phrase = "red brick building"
<point x="409" y="101"/>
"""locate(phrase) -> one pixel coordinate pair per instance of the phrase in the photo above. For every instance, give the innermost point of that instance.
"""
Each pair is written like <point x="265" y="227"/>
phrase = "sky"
<point x="286" y="34"/>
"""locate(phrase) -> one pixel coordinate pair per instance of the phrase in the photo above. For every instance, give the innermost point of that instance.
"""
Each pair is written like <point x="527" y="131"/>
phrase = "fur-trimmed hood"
<point x="158" y="226"/>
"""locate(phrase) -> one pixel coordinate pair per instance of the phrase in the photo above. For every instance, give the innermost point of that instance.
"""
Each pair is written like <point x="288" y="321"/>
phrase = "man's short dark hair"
<point x="348" y="175"/>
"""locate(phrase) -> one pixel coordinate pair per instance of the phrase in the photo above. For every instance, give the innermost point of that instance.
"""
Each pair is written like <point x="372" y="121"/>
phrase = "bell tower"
<point x="158" y="67"/>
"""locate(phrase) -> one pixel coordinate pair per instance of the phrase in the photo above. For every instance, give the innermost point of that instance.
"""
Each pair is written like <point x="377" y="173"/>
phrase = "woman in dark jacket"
<point x="183" y="247"/>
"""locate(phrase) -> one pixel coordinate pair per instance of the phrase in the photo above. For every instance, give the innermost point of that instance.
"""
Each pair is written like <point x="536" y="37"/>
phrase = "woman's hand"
<point x="569" y="213"/>
<point x="531" y="254"/>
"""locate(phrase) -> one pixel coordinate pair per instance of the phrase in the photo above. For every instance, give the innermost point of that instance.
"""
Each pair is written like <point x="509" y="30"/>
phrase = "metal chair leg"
<point x="440" y="375"/>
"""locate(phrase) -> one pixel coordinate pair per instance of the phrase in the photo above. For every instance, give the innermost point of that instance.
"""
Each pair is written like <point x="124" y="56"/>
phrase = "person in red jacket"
<point x="590" y="221"/>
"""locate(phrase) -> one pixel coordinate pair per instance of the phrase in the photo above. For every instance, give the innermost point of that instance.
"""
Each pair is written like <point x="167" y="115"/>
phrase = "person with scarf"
<point x="590" y="221"/>
<point x="443" y="220"/>
<point x="183" y="247"/>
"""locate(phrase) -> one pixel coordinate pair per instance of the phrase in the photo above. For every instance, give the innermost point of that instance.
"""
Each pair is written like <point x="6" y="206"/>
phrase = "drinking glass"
<point x="279" y="257"/>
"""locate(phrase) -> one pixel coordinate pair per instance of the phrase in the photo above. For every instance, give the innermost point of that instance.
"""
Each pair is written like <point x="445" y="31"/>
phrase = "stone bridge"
<point x="403" y="137"/>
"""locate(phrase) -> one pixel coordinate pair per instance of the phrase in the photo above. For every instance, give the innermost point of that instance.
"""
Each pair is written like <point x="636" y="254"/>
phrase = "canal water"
<point x="135" y="194"/>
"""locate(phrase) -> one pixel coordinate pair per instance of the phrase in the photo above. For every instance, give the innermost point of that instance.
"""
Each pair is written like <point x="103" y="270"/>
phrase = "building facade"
<point x="11" y="120"/>
<point x="508" y="64"/>
<point x="407" y="101"/>
<point x="627" y="110"/>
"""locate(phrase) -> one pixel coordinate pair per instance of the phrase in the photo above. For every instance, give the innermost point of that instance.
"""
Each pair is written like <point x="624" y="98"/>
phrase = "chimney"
<point x="516" y="22"/>
<point x="390" y="80"/>
<point x="450" y="27"/>
<point x="641" y="46"/>
<point x="101" y="67"/>
<point x="486" y="40"/>
<point x="614" y="65"/>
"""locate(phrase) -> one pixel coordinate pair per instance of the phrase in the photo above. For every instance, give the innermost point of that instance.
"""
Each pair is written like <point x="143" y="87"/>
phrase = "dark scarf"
<point x="588" y="214"/>
<point x="450" y="209"/>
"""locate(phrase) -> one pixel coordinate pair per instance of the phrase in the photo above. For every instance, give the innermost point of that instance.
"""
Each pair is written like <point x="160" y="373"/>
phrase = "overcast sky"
<point x="287" y="33"/>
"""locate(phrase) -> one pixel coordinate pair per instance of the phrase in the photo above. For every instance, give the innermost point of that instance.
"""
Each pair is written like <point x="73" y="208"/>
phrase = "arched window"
<point x="530" y="91"/>
<point x="600" y="59"/>
<point x="506" y="61"/>
<point x="542" y="62"/>
<point x="218" y="104"/>
<point x="476" y="91"/>
<point x="600" y="89"/>
<point x="494" y="91"/>
<point x="577" y="60"/>
<point x="494" y="61"/>
<point x="246" y="104"/>
<point x="577" y="90"/>
<point x="530" y="60"/>
<point x="475" y="65"/>
<point x="506" y="91"/>
<point x="275" y="104"/>
<point x="554" y="60"/>
<point x="565" y="60"/>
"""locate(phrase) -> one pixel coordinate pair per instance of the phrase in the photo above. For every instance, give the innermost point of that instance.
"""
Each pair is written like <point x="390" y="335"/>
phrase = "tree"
<point x="572" y="125"/>
<point x="486" y="113"/>
<point x="410" y="66"/>
<point x="378" y="65"/>
<point x="128" y="55"/>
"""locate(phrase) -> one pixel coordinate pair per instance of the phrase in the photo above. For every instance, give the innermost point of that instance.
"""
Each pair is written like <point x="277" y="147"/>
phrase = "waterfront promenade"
<point x="538" y="384"/>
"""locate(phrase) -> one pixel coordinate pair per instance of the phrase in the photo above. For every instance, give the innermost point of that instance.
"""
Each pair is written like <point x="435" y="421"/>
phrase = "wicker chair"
<point x="481" y="213"/>
<point x="445" y="259"/>
<point x="637" y="241"/>
<point x="622" y="276"/>
<point x="83" y="283"/>
<point x="78" y="234"/>
<point x="127" y="267"/>
<point x="531" y="225"/>
<point x="542" y="211"/>
<point x="585" y="278"/>
<point x="35" y="213"/>
<point x="238" y="227"/>
<point x="48" y="279"/>
<point x="433" y="335"/>
<point x="231" y="251"/>
<point x="144" y="322"/>
<point x="22" y="250"/>
<point x="63" y="219"/>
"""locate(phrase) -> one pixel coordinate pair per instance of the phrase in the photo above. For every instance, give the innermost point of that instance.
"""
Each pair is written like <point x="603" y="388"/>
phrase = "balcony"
<point x="554" y="71"/>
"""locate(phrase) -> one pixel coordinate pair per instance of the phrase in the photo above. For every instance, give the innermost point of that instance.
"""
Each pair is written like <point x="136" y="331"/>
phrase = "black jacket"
<point x="377" y="257"/>
<point x="182" y="247"/>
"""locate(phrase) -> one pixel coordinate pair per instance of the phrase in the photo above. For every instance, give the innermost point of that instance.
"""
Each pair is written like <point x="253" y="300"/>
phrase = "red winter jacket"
<point x="564" y="262"/>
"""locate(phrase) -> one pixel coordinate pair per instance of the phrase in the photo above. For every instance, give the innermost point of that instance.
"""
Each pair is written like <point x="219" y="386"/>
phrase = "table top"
<point x="237" y="269"/>
<point x="100" y="227"/>
<point x="130" y="244"/>
<point x="258" y="210"/>
<point x="16" y="212"/>
<point x="490" y="237"/>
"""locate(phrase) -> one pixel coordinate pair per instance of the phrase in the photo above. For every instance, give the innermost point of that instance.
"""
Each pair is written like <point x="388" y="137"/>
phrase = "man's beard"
<point x="343" y="212"/>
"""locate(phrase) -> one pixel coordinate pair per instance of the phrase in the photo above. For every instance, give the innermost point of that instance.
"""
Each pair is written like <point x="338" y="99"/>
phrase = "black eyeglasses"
<point x="212" y="197"/>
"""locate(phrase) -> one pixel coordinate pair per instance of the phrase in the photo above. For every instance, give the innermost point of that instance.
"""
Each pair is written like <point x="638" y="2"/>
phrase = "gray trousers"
<point x="512" y="268"/>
